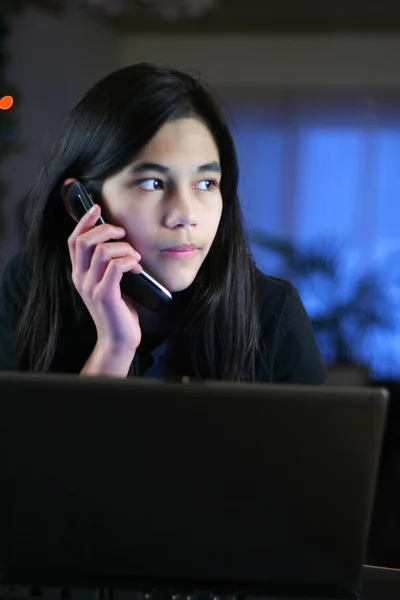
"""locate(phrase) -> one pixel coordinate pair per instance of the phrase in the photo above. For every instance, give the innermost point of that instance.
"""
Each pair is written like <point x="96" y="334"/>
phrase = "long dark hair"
<point x="218" y="336"/>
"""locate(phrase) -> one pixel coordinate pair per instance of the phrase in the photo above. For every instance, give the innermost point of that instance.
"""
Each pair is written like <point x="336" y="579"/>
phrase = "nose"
<point x="180" y="210"/>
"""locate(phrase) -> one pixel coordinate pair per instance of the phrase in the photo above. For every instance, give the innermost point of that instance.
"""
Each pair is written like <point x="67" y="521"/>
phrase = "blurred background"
<point x="312" y="91"/>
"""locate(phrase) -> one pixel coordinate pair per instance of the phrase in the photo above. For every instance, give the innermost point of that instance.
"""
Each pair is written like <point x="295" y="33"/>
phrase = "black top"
<point x="290" y="351"/>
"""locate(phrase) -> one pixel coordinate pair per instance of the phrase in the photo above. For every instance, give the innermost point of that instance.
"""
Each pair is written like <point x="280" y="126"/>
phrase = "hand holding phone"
<point x="140" y="287"/>
<point x="97" y="268"/>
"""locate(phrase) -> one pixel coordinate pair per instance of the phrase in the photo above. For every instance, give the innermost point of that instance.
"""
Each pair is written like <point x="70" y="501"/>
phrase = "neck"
<point x="152" y="322"/>
<point x="163" y="321"/>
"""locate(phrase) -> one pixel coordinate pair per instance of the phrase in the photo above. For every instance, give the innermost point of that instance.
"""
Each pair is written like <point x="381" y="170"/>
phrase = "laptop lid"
<point x="249" y="488"/>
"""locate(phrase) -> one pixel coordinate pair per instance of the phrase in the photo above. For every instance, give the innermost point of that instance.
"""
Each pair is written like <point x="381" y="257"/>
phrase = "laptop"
<point x="145" y="484"/>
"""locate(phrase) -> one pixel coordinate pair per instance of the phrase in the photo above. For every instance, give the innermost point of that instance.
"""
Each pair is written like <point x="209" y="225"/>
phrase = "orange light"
<point x="6" y="102"/>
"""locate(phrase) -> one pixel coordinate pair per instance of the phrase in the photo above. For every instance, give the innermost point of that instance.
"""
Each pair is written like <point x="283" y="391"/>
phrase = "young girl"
<point x="153" y="150"/>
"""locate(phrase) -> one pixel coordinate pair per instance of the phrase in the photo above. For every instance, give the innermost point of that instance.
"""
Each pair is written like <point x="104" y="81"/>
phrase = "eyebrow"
<point x="141" y="167"/>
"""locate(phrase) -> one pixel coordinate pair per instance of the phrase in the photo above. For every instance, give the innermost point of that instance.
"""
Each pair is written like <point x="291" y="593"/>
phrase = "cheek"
<point x="139" y="232"/>
<point x="124" y="211"/>
<point x="138" y="227"/>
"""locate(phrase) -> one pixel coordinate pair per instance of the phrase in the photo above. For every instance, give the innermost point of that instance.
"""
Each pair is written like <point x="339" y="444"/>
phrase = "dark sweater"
<point x="290" y="351"/>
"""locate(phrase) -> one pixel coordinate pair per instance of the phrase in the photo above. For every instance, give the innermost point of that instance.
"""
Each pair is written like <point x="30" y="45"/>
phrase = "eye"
<point x="206" y="184"/>
<point x="150" y="185"/>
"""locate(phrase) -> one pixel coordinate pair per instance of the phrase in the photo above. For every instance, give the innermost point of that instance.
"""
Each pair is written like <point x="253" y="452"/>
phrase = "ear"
<point x="64" y="190"/>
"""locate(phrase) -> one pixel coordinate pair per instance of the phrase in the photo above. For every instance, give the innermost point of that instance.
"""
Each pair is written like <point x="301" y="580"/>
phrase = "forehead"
<point x="186" y="138"/>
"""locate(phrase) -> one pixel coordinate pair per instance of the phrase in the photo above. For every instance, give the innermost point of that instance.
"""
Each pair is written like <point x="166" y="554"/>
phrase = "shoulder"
<point x="273" y="293"/>
<point x="289" y="348"/>
<point x="279" y="301"/>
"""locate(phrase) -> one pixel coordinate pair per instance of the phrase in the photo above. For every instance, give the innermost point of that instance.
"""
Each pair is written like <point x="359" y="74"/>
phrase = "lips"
<point x="181" y="248"/>
<point x="180" y="252"/>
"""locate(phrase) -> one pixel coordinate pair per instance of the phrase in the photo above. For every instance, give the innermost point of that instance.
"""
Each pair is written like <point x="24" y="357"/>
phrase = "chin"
<point x="178" y="282"/>
<point x="174" y="276"/>
<point x="179" y="286"/>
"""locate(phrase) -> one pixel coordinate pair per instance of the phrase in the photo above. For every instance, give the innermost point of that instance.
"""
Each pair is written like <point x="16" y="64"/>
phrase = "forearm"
<point x="107" y="362"/>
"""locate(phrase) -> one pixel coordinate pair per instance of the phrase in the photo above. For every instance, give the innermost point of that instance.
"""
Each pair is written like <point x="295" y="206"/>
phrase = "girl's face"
<point x="169" y="201"/>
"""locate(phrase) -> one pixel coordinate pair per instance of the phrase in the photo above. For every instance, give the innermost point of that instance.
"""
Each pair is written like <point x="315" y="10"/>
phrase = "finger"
<point x="85" y="224"/>
<point x="86" y="244"/>
<point x="103" y="254"/>
<point x="85" y="232"/>
<point x="109" y="287"/>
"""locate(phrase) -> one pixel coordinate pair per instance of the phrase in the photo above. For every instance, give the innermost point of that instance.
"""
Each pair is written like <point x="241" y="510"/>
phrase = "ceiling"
<point x="280" y="16"/>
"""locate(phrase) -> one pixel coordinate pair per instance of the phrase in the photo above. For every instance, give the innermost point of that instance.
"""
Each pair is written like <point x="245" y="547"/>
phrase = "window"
<point x="319" y="173"/>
